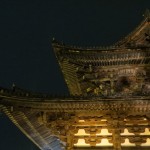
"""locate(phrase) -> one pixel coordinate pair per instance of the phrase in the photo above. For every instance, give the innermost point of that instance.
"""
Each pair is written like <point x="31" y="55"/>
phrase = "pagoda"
<point x="109" y="103"/>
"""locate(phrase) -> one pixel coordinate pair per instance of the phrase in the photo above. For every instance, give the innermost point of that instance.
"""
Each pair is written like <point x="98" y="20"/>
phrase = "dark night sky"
<point x="26" y="55"/>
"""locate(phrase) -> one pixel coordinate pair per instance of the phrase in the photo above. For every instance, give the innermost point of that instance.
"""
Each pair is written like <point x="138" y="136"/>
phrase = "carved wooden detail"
<point x="114" y="127"/>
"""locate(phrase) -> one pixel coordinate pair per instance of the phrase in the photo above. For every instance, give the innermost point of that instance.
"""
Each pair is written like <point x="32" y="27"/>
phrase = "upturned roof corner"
<point x="147" y="14"/>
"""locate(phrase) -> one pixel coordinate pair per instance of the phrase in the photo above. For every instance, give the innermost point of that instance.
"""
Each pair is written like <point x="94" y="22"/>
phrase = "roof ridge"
<point x="146" y="19"/>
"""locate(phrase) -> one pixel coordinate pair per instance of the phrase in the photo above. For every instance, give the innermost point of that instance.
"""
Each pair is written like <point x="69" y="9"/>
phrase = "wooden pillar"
<point x="116" y="132"/>
<point x="70" y="137"/>
<point x="116" y="139"/>
<point x="70" y="142"/>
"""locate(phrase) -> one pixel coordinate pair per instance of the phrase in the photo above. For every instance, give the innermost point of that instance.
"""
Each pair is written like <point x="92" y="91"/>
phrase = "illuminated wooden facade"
<point x="109" y="103"/>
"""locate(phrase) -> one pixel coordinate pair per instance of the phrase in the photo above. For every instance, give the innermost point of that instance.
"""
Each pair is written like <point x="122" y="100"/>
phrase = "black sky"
<point x="26" y="55"/>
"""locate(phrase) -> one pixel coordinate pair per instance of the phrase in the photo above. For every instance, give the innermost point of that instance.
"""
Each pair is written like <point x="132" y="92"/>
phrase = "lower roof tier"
<point x="77" y="124"/>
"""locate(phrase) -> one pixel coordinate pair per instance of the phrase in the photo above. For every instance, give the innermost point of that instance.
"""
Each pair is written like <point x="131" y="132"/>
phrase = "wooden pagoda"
<point x="109" y="103"/>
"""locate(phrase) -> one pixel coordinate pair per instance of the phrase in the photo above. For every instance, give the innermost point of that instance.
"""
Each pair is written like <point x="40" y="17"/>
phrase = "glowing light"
<point x="126" y="132"/>
<point x="147" y="132"/>
<point x="104" y="142"/>
<point x="147" y="143"/>
<point x="81" y="132"/>
<point x="103" y="119"/>
<point x="127" y="143"/>
<point x="81" y="142"/>
<point x="81" y="121"/>
<point x="104" y="132"/>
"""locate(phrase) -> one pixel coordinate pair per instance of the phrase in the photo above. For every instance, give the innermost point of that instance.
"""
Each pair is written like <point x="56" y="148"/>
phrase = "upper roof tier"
<point x="140" y="37"/>
<point x="105" y="71"/>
